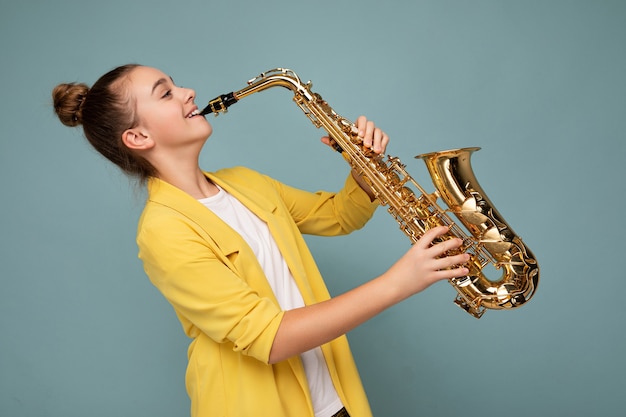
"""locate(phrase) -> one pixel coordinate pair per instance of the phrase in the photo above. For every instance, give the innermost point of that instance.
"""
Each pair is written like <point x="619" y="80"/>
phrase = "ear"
<point x="137" y="139"/>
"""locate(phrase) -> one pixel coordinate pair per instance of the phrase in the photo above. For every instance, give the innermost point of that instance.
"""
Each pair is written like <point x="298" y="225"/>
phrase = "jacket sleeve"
<point x="206" y="294"/>
<point x="329" y="214"/>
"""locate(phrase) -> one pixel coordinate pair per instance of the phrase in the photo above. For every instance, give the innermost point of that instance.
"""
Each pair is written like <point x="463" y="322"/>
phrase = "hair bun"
<point x="68" y="99"/>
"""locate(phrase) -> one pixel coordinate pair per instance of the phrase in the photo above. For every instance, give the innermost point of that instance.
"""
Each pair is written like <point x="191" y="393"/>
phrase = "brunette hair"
<point x="105" y="111"/>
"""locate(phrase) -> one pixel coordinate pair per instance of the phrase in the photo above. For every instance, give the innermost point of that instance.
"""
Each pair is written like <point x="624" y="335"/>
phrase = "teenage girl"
<point x="225" y="248"/>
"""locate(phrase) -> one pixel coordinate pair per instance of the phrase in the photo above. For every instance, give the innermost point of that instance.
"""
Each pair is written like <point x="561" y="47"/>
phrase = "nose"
<point x="190" y="95"/>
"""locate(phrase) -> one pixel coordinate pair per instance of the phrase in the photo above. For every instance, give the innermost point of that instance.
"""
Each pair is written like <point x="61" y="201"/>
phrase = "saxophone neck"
<point x="276" y="77"/>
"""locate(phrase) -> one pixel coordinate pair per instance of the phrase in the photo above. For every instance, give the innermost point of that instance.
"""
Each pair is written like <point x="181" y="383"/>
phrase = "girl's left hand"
<point x="373" y="137"/>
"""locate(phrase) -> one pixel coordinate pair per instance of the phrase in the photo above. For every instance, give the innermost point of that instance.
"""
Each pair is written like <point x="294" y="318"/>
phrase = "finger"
<point x="360" y="125"/>
<point x="380" y="141"/>
<point x="330" y="142"/>
<point x="365" y="130"/>
<point x="368" y="139"/>
<point x="430" y="235"/>
<point x="441" y="248"/>
<point x="448" y="262"/>
<point x="451" y="273"/>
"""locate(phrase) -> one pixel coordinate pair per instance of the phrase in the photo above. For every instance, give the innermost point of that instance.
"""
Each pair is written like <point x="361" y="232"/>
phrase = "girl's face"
<point x="165" y="110"/>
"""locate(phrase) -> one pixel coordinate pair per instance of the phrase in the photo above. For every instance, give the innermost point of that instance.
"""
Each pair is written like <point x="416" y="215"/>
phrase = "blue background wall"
<point x="539" y="85"/>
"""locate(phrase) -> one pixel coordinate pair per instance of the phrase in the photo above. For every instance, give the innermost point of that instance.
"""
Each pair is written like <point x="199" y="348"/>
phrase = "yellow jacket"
<point x="224" y="302"/>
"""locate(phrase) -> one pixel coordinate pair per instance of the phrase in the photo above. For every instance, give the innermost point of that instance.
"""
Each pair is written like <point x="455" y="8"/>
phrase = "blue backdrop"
<point x="538" y="84"/>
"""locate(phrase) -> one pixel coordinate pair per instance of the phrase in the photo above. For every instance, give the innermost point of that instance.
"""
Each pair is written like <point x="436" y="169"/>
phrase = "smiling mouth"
<point x="196" y="112"/>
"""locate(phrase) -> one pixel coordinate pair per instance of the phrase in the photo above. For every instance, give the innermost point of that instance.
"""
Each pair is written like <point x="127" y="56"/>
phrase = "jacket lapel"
<point x="281" y="226"/>
<point x="174" y="198"/>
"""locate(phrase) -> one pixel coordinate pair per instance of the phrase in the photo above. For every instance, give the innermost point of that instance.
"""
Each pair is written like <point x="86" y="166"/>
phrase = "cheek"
<point x="154" y="118"/>
<point x="163" y="121"/>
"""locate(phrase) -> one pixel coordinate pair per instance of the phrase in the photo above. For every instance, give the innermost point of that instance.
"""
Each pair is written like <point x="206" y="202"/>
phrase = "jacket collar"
<point x="164" y="193"/>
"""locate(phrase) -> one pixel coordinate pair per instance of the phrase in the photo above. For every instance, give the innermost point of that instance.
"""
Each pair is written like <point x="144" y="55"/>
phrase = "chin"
<point x="206" y="132"/>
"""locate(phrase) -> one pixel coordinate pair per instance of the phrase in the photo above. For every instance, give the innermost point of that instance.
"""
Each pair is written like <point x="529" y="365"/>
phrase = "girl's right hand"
<point x="426" y="263"/>
<point x="302" y="329"/>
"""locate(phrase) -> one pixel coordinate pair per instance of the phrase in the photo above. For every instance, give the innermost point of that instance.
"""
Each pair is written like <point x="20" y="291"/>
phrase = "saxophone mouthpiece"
<point x="219" y="104"/>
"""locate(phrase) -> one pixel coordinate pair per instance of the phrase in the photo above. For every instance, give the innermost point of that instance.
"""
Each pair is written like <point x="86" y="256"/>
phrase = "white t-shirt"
<point x="255" y="232"/>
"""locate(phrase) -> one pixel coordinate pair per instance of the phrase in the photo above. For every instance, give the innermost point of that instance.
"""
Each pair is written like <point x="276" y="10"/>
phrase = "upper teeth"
<point x="194" y="113"/>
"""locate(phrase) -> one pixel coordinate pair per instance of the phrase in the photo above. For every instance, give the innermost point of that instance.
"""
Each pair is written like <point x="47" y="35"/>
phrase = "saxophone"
<point x="490" y="240"/>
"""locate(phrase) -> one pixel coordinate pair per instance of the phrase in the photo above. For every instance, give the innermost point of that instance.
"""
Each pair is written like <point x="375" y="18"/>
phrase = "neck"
<point x="195" y="183"/>
<point x="188" y="177"/>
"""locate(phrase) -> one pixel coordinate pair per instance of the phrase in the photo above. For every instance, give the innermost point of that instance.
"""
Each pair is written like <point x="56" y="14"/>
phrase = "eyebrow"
<point x="159" y="82"/>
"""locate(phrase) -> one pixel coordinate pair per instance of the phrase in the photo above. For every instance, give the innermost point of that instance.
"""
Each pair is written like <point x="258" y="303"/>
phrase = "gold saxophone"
<point x="492" y="241"/>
